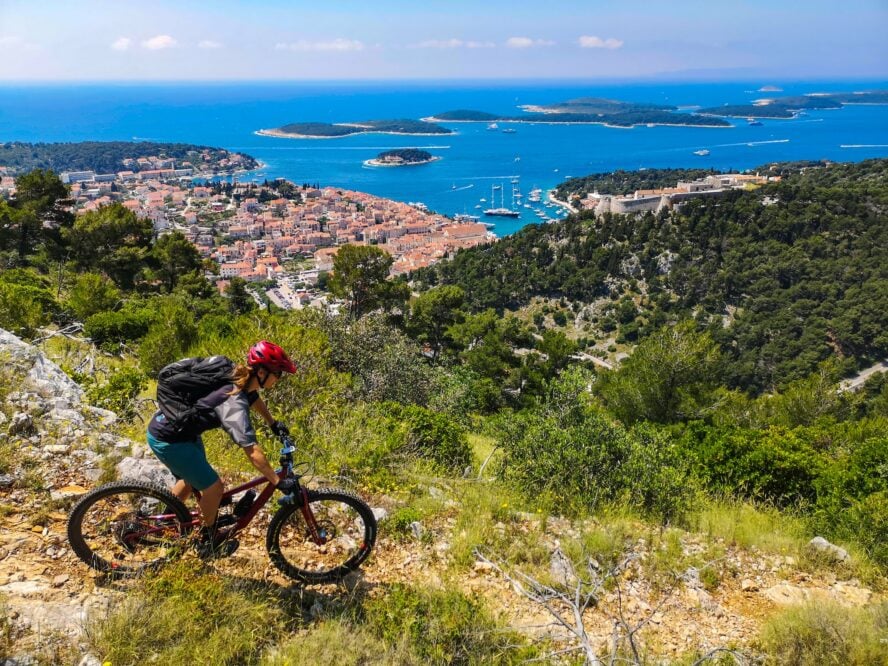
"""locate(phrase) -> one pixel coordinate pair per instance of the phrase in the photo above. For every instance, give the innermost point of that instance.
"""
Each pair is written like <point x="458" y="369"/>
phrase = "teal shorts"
<point x="186" y="460"/>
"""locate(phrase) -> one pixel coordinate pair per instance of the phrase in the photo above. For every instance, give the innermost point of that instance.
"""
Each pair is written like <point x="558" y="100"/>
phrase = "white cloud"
<point x="121" y="43"/>
<point x="339" y="44"/>
<point x="453" y="43"/>
<point x="439" y="44"/>
<point x="480" y="45"/>
<point x="17" y="42"/>
<point x="159" y="42"/>
<point x="527" y="42"/>
<point x="209" y="44"/>
<point x="591" y="42"/>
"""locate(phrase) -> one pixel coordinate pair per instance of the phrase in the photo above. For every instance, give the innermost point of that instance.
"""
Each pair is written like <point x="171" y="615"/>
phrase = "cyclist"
<point x="228" y="407"/>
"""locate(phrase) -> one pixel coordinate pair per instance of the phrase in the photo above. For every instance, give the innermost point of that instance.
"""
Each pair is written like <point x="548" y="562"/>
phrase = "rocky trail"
<point x="48" y="594"/>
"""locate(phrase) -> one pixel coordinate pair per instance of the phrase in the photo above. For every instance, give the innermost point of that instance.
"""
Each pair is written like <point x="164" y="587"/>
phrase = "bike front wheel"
<point x="324" y="540"/>
<point x="126" y="527"/>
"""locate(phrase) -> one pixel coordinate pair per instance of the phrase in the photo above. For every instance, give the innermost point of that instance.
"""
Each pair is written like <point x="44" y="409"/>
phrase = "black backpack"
<point x="181" y="384"/>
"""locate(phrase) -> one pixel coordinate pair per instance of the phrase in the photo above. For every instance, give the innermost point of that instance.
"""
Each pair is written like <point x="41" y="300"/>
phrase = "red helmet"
<point x="270" y="356"/>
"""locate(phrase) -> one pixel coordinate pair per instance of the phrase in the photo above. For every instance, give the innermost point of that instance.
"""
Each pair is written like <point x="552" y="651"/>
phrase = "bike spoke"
<point x="130" y="530"/>
<point x="337" y="536"/>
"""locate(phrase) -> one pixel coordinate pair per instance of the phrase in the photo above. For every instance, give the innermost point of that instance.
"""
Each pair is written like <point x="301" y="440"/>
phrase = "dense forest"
<point x="619" y="117"/>
<point x="601" y="105"/>
<point x="408" y="155"/>
<point x="784" y="276"/>
<point x="399" y="126"/>
<point x="99" y="156"/>
<point x="788" y="107"/>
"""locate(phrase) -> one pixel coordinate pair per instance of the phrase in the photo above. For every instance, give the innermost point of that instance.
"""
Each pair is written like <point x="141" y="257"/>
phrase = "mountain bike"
<point x="315" y="536"/>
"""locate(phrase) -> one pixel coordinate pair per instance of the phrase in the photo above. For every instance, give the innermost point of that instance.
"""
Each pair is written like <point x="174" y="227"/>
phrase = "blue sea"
<point x="473" y="160"/>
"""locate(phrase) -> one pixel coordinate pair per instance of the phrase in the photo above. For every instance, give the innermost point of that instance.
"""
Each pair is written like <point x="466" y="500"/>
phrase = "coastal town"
<point x="283" y="238"/>
<point x="280" y="237"/>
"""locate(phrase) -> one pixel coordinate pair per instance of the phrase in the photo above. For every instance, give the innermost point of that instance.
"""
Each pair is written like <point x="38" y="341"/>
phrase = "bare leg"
<point x="181" y="489"/>
<point x="209" y="502"/>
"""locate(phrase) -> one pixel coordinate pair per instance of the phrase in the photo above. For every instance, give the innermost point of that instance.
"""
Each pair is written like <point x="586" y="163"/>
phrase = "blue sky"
<point x="454" y="39"/>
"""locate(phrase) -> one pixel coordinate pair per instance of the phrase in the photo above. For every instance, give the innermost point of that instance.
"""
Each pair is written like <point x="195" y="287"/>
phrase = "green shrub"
<point x="852" y="500"/>
<point x="442" y="626"/>
<point x="92" y="293"/>
<point x="827" y="633"/>
<point x="383" y="362"/>
<point x="454" y="393"/>
<point x="775" y="465"/>
<point x="431" y="435"/>
<point x="657" y="474"/>
<point x="169" y="337"/>
<point x="109" y="330"/>
<point x="402" y="518"/>
<point x="670" y="377"/>
<point x="184" y="616"/>
<point x="568" y="449"/>
<point x="26" y="301"/>
<point x="338" y="643"/>
<point x="118" y="392"/>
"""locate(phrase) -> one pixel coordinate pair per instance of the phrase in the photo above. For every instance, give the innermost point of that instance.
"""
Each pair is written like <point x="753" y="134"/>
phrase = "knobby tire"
<point x="112" y="531"/>
<point x="289" y="547"/>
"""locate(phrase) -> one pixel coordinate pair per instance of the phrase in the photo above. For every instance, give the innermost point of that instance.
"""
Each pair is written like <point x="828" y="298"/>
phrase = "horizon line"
<point x="651" y="78"/>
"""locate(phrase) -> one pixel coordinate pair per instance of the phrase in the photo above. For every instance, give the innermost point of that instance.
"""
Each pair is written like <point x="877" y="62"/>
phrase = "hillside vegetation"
<point x="104" y="156"/>
<point x="783" y="277"/>
<point x="671" y="495"/>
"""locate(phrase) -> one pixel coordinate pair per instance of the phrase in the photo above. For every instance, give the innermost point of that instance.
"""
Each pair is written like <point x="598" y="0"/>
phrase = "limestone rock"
<point x="21" y="424"/>
<point x="380" y="513"/>
<point x="562" y="569"/>
<point x="748" y="585"/>
<point x="145" y="469"/>
<point x="40" y="374"/>
<point x="785" y="594"/>
<point x="416" y="529"/>
<point x="823" y="546"/>
<point x="852" y="595"/>
<point x="66" y="492"/>
<point x="23" y="588"/>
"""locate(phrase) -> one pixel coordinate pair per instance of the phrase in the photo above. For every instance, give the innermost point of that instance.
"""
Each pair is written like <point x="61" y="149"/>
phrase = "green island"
<point x="588" y="110"/>
<point x="110" y="156"/>
<point x="402" y="157"/>
<point x="789" y="107"/>
<point x="316" y="130"/>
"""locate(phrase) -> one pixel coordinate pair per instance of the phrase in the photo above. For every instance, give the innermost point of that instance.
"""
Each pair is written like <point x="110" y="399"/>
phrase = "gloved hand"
<point x="280" y="429"/>
<point x="286" y="486"/>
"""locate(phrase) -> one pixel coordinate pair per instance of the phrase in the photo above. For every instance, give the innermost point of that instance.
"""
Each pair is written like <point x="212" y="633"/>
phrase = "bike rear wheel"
<point x="343" y="536"/>
<point x="127" y="527"/>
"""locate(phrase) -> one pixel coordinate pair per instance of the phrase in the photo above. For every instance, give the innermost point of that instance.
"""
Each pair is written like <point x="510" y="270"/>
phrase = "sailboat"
<point x="502" y="211"/>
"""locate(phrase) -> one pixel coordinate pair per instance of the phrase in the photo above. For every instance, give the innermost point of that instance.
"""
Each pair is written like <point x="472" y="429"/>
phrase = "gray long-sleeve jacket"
<point x="219" y="409"/>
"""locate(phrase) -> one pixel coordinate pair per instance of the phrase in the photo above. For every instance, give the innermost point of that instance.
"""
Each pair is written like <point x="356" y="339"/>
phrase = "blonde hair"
<point x="240" y="377"/>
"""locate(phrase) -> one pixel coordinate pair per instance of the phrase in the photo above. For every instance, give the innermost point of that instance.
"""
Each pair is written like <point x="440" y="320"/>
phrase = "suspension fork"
<point x="308" y="515"/>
